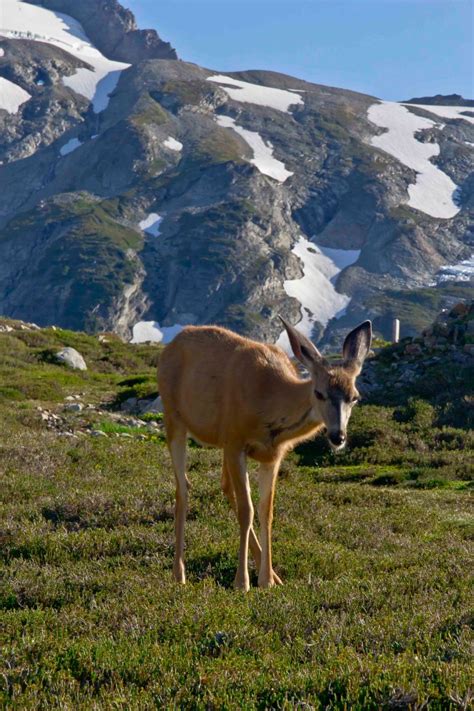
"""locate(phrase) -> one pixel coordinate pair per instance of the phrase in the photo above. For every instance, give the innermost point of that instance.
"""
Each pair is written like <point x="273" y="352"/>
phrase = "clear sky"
<point x="393" y="49"/>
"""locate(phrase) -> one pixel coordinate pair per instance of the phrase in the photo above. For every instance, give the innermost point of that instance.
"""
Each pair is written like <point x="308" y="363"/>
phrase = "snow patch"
<point x="145" y="331"/>
<point x="315" y="290"/>
<point x="151" y="224"/>
<point x="342" y="258"/>
<point x="2" y="52"/>
<point x="434" y="191"/>
<point x="20" y="20"/>
<point x="463" y="271"/>
<point x="280" y="99"/>
<point x="70" y="146"/>
<point x="449" y="112"/>
<point x="12" y="96"/>
<point x="173" y="144"/>
<point x="262" y="152"/>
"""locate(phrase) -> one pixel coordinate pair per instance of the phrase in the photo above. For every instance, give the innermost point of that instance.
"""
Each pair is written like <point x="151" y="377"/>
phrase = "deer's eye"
<point x="319" y="395"/>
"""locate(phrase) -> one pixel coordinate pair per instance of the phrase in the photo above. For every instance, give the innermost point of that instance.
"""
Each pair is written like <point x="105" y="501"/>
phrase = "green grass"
<point x="220" y="146"/>
<point x="376" y="608"/>
<point x="149" y="112"/>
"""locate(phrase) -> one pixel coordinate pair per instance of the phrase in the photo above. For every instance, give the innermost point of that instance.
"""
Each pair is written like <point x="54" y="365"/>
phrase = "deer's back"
<point x="208" y="374"/>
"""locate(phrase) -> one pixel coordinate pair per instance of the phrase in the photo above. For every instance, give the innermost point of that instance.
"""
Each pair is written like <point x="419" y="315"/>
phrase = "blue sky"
<point x="393" y="49"/>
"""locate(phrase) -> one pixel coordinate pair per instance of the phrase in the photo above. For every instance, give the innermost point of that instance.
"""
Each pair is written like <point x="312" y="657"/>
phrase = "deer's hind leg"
<point x="176" y="436"/>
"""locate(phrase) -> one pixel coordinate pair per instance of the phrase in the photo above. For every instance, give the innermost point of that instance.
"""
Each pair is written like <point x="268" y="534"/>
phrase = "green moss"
<point x="221" y="146"/>
<point x="84" y="251"/>
<point x="148" y="111"/>
<point x="186" y="92"/>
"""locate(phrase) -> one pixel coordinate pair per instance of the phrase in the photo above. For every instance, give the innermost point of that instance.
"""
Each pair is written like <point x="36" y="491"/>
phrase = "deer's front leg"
<point x="237" y="469"/>
<point x="267" y="475"/>
<point x="228" y="490"/>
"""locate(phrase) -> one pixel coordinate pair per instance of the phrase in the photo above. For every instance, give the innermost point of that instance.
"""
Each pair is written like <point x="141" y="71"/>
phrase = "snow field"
<point x="173" y="144"/>
<point x="145" y="331"/>
<point x="449" y="112"/>
<point x="151" y="224"/>
<point x="434" y="191"/>
<point x="315" y="291"/>
<point x="24" y="21"/>
<point x="12" y="96"/>
<point x="70" y="146"/>
<point x="463" y="271"/>
<point x="280" y="99"/>
<point x="262" y="152"/>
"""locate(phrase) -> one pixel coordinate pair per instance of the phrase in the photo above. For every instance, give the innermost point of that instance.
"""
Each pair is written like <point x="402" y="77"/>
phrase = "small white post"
<point x="395" y="330"/>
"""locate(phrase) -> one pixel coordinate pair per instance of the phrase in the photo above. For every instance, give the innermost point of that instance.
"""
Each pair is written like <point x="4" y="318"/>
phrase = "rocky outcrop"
<point x="113" y="29"/>
<point x="436" y="365"/>
<point x="442" y="100"/>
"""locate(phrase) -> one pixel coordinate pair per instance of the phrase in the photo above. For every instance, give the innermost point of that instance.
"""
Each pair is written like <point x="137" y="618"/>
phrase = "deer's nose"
<point x="337" y="438"/>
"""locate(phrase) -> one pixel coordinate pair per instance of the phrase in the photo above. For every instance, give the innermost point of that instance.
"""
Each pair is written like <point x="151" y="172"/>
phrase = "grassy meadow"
<point x="374" y="547"/>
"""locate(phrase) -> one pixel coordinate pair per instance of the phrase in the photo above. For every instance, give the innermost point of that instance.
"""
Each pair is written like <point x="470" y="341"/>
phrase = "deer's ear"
<point x="305" y="351"/>
<point x="357" y="345"/>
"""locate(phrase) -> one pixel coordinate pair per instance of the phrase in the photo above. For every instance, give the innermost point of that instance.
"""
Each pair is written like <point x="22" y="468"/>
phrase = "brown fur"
<point x="247" y="399"/>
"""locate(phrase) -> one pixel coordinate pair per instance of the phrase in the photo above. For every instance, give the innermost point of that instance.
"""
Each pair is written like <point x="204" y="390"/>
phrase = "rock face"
<point x="113" y="29"/>
<point x="184" y="199"/>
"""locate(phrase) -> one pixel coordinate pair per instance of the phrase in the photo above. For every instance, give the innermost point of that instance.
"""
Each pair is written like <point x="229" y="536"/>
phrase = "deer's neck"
<point x="294" y="415"/>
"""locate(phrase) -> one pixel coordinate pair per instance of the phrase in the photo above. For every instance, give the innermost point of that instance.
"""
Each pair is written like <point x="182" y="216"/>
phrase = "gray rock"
<point x="71" y="358"/>
<point x="74" y="407"/>
<point x="155" y="406"/>
<point x="129" y="405"/>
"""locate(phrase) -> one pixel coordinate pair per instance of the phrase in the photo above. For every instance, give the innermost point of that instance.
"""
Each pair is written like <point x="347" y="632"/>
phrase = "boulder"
<point x="154" y="406"/>
<point x="413" y="349"/>
<point x="72" y="358"/>
<point x="74" y="407"/>
<point x="461" y="309"/>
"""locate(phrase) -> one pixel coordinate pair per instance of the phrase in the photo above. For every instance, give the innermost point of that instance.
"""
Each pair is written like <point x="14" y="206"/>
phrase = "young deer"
<point x="248" y="399"/>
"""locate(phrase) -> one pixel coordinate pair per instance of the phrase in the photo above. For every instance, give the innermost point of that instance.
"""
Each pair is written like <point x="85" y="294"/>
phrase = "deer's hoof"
<point x="269" y="581"/>
<point x="276" y="579"/>
<point x="242" y="584"/>
<point x="179" y="574"/>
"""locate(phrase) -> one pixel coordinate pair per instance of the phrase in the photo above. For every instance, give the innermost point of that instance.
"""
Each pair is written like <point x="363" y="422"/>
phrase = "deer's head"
<point x="334" y="391"/>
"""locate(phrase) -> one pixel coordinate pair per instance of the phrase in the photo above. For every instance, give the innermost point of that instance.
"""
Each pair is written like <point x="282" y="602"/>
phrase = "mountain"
<point x="141" y="192"/>
<point x="442" y="100"/>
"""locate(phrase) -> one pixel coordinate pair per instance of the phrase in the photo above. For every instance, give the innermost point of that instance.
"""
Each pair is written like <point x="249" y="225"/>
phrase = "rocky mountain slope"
<point x="141" y="193"/>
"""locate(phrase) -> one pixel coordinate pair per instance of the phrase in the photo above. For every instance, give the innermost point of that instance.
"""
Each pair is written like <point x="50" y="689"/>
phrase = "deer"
<point x="249" y="399"/>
